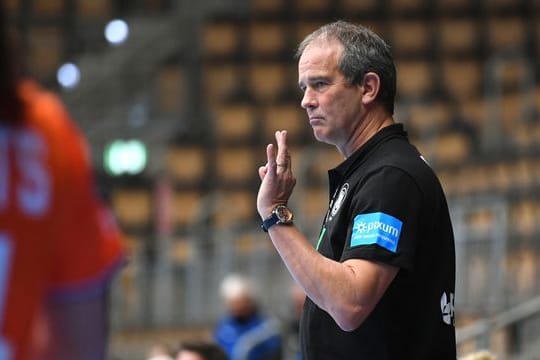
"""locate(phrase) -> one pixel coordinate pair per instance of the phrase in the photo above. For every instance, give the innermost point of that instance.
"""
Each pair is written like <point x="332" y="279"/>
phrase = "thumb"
<point x="262" y="171"/>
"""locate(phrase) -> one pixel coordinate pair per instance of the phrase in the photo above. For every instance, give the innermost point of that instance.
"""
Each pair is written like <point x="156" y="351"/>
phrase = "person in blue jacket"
<point x="244" y="333"/>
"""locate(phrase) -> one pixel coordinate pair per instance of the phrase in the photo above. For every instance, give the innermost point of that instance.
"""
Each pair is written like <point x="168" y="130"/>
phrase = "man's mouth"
<point x="314" y="120"/>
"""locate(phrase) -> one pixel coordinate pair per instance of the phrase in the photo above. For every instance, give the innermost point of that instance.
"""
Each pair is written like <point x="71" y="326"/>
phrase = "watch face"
<point x="284" y="214"/>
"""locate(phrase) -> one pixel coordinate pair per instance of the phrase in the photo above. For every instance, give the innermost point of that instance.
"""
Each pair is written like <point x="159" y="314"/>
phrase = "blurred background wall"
<point x="178" y="99"/>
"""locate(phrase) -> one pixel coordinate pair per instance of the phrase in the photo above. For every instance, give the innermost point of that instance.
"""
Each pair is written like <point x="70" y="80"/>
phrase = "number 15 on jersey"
<point x="5" y="265"/>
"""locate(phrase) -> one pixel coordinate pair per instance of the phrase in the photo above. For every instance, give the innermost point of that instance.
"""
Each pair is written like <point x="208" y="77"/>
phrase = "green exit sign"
<point x="125" y="157"/>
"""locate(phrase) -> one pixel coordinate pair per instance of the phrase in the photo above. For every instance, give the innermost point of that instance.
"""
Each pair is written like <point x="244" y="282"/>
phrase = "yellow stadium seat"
<point x="288" y="116"/>
<point x="265" y="7"/>
<point x="524" y="215"/>
<point x="12" y="5"/>
<point x="133" y="207"/>
<point x="234" y="122"/>
<point x="515" y="72"/>
<point x="323" y="157"/>
<point x="235" y="165"/>
<point x="521" y="267"/>
<point x="304" y="27"/>
<point x="446" y="6"/>
<point x="182" y="251"/>
<point x="410" y="36"/>
<point x="523" y="174"/>
<point x="219" y="39"/>
<point x="313" y="6"/>
<point x="268" y="81"/>
<point x="404" y="6"/>
<point x="414" y="78"/>
<point x="462" y="79"/>
<point x="94" y="8"/>
<point x="220" y="81"/>
<point x="457" y="35"/>
<point x="499" y="5"/>
<point x="474" y="111"/>
<point x="266" y="38"/>
<point x="48" y="7"/>
<point x="185" y="207"/>
<point x="501" y="177"/>
<point x="506" y="33"/>
<point x="313" y="202"/>
<point x="450" y="148"/>
<point x="234" y="207"/>
<point x="355" y="6"/>
<point x="186" y="163"/>
<point x="428" y="117"/>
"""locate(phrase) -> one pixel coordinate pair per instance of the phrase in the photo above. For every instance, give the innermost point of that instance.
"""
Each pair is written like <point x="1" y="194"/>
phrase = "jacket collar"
<point x="353" y="161"/>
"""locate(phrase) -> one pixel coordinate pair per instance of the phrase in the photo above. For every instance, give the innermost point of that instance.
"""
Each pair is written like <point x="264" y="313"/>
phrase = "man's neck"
<point x="371" y="124"/>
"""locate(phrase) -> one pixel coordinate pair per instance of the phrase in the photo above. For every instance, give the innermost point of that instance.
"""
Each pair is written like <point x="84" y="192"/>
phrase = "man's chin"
<point x="321" y="136"/>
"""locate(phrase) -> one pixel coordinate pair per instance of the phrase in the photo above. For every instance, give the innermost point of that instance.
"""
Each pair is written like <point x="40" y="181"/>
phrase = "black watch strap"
<point x="269" y="222"/>
<point x="280" y="215"/>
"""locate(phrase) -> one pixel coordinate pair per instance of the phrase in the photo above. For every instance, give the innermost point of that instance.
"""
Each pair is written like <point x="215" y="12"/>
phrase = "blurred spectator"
<point x="200" y="351"/>
<point x="159" y="352"/>
<point x="479" y="355"/>
<point x="292" y="351"/>
<point x="59" y="246"/>
<point x="244" y="333"/>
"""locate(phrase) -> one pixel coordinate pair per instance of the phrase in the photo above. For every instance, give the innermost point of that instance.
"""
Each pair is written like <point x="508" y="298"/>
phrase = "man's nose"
<point x="308" y="100"/>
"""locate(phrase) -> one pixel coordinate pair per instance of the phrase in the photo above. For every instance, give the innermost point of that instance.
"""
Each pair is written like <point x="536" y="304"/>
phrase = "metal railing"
<point x="520" y="345"/>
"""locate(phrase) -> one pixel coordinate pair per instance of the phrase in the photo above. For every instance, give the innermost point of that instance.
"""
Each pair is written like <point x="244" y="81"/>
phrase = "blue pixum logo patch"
<point x="376" y="228"/>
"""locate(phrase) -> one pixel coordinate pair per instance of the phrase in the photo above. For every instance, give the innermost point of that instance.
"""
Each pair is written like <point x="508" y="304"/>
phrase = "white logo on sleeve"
<point x="447" y="308"/>
<point x="336" y="205"/>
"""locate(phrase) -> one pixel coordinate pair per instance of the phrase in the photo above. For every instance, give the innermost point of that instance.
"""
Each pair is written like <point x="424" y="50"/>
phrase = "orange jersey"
<point x="57" y="240"/>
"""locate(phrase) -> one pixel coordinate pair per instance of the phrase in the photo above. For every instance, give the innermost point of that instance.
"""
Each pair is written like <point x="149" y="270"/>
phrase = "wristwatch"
<point x="280" y="215"/>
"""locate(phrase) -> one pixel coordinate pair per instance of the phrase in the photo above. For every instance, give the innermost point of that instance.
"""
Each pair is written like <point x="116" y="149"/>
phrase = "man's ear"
<point x="371" y="84"/>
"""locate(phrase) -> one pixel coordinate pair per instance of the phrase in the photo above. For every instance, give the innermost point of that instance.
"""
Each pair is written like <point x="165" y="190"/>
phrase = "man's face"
<point x="334" y="107"/>
<point x="240" y="307"/>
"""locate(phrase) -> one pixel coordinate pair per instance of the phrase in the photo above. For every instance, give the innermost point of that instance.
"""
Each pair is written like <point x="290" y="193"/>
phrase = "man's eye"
<point x="319" y="84"/>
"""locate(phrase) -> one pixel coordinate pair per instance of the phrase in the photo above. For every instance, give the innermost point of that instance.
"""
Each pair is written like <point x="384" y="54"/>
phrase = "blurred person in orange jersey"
<point x="59" y="245"/>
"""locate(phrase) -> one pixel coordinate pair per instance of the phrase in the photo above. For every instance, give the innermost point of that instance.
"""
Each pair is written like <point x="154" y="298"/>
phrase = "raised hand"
<point x="277" y="178"/>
